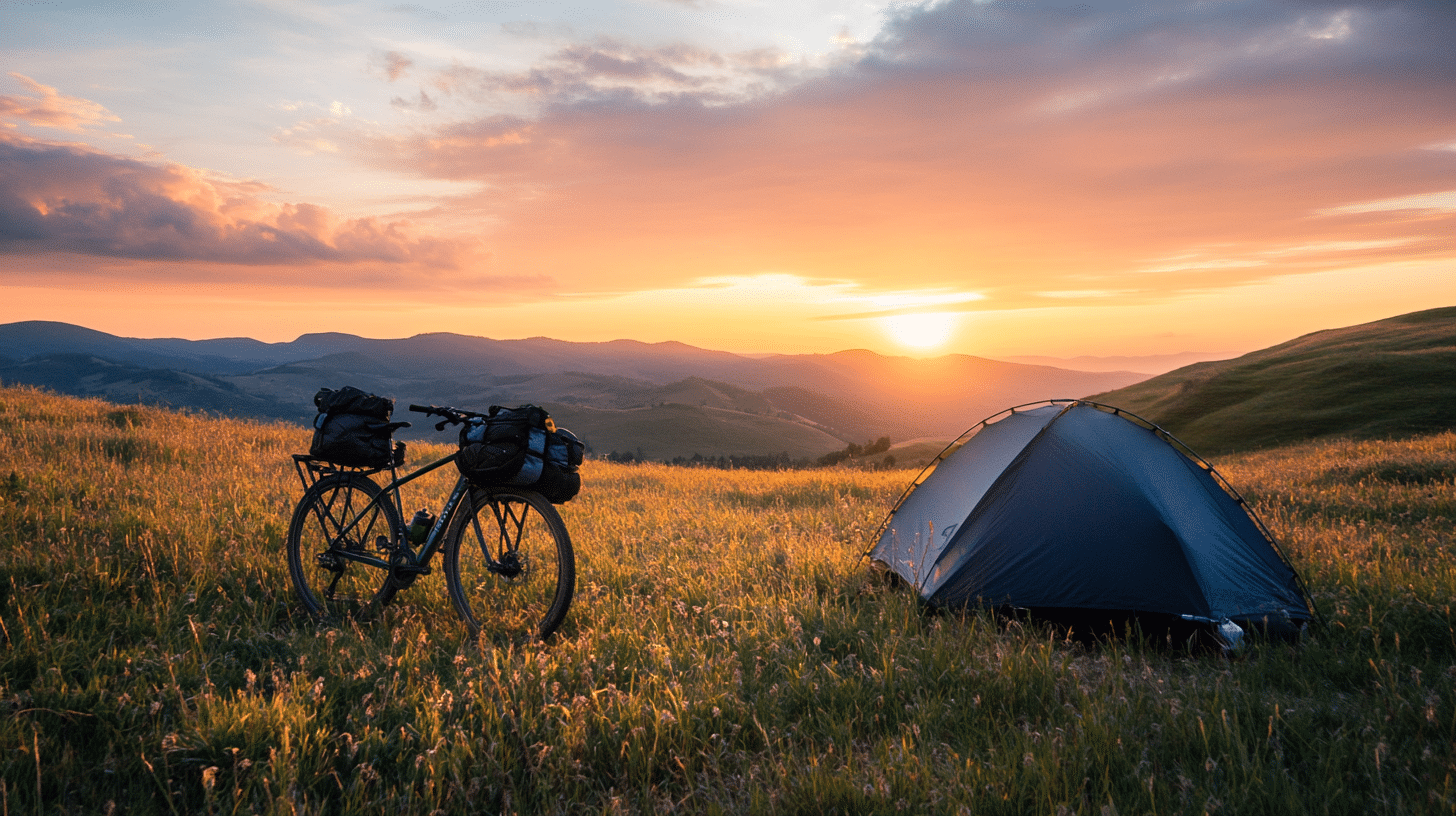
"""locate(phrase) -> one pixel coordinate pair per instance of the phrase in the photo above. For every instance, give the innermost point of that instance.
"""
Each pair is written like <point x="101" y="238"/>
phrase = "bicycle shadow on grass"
<point x="448" y="632"/>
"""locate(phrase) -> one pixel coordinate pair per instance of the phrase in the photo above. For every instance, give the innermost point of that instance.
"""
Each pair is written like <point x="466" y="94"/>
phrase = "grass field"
<point x="728" y="652"/>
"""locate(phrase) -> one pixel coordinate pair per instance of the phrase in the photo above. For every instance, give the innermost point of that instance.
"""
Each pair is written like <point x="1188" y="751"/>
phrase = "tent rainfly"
<point x="1074" y="510"/>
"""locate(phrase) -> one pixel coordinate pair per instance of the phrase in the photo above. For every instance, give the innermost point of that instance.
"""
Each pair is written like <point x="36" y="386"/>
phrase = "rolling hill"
<point x="664" y="399"/>
<point x="1390" y="378"/>
<point x="1387" y="379"/>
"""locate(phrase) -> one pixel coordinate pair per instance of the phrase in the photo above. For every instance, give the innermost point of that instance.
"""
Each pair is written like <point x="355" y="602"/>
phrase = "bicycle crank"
<point x="403" y="570"/>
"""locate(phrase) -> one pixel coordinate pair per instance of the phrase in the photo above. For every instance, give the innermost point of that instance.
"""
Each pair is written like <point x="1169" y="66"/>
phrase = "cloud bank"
<point x="1016" y="154"/>
<point x="1033" y="152"/>
<point x="63" y="198"/>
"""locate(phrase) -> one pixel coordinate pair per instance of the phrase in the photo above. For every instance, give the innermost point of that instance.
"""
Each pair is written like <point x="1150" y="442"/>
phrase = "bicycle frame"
<point x="311" y="469"/>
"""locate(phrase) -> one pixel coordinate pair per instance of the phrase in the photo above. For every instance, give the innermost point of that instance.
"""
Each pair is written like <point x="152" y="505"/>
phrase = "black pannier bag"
<point x="521" y="447"/>
<point x="353" y="429"/>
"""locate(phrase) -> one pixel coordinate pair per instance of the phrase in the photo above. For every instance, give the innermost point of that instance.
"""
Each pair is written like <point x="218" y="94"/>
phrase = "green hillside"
<point x="1387" y="379"/>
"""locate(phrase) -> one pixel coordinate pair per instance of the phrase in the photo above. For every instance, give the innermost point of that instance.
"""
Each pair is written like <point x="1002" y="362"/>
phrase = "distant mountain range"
<point x="655" y="400"/>
<point x="1387" y="379"/>
<point x="1390" y="378"/>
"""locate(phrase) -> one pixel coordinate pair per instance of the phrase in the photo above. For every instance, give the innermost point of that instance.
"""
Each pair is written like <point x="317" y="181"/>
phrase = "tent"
<point x="1078" y="511"/>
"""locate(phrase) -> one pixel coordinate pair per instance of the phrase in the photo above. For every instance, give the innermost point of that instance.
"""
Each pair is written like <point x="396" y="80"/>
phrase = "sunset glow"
<point x="960" y="176"/>
<point x="920" y="332"/>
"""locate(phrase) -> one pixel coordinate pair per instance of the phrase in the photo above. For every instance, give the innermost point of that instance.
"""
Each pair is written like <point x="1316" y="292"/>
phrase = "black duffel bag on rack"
<point x="353" y="429"/>
<point x="521" y="447"/>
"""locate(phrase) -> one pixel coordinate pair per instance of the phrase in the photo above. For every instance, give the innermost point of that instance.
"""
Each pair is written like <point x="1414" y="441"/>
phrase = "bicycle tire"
<point x="509" y="563"/>
<point x="330" y="587"/>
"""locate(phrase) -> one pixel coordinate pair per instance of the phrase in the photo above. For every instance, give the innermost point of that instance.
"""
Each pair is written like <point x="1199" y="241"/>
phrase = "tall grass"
<point x="728" y="652"/>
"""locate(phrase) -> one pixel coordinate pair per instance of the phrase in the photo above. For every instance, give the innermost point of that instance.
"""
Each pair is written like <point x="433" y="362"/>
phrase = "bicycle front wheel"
<point x="509" y="563"/>
<point x="338" y="517"/>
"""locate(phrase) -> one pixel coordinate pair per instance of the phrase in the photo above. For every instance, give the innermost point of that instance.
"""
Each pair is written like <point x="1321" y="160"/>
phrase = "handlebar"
<point x="450" y="416"/>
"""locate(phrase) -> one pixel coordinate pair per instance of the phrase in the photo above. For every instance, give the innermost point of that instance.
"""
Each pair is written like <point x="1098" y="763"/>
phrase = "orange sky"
<point x="1022" y="179"/>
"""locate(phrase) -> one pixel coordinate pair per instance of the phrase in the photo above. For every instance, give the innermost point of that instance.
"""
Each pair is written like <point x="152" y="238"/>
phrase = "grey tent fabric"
<point x="1076" y="506"/>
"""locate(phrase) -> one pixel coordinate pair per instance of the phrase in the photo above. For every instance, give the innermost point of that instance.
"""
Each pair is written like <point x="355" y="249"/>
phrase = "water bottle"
<point x="419" y="527"/>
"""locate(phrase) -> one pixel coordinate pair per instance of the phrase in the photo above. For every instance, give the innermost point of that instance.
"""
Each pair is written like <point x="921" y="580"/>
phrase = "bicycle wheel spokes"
<point x="336" y="517"/>
<point x="509" y="563"/>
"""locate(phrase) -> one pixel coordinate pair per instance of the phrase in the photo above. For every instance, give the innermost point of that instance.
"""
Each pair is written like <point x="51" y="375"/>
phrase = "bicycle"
<point x="508" y="557"/>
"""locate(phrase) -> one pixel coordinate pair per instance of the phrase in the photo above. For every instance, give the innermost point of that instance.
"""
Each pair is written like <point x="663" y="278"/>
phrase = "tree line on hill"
<point x="777" y="461"/>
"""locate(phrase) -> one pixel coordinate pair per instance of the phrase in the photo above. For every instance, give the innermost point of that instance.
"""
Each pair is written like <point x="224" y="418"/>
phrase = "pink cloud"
<point x="52" y="109"/>
<point x="393" y="64"/>
<point x="65" y="198"/>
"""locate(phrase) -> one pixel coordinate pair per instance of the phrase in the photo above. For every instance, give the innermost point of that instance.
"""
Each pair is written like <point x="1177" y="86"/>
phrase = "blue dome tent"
<point x="1082" y="512"/>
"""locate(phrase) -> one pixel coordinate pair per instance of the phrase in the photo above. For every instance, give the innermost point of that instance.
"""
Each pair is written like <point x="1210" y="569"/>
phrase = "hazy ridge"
<point x="1389" y="378"/>
<point x="660" y="399"/>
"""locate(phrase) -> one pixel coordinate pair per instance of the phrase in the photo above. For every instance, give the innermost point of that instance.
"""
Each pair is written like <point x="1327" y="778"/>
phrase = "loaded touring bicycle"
<point x="508" y="559"/>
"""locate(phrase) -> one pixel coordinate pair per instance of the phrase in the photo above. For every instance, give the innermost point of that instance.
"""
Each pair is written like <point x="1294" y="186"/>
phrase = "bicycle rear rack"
<point x="310" y="469"/>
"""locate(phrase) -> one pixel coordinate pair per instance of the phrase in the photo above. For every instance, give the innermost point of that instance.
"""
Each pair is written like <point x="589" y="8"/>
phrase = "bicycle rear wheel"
<point x="509" y="562"/>
<point x="330" y="585"/>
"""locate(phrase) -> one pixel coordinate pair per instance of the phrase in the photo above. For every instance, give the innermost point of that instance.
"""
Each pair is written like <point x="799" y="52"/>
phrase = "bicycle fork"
<point x="510" y="524"/>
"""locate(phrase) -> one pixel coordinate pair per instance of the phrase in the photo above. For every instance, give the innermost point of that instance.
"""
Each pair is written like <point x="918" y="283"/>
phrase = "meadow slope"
<point x="1381" y="380"/>
<point x="728" y="652"/>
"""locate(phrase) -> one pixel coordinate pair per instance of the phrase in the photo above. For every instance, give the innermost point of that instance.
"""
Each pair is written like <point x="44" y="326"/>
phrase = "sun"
<point x="921" y="331"/>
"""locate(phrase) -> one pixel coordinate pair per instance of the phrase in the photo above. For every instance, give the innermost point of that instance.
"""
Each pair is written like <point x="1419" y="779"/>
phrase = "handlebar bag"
<point x="521" y="447"/>
<point x="353" y="429"/>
